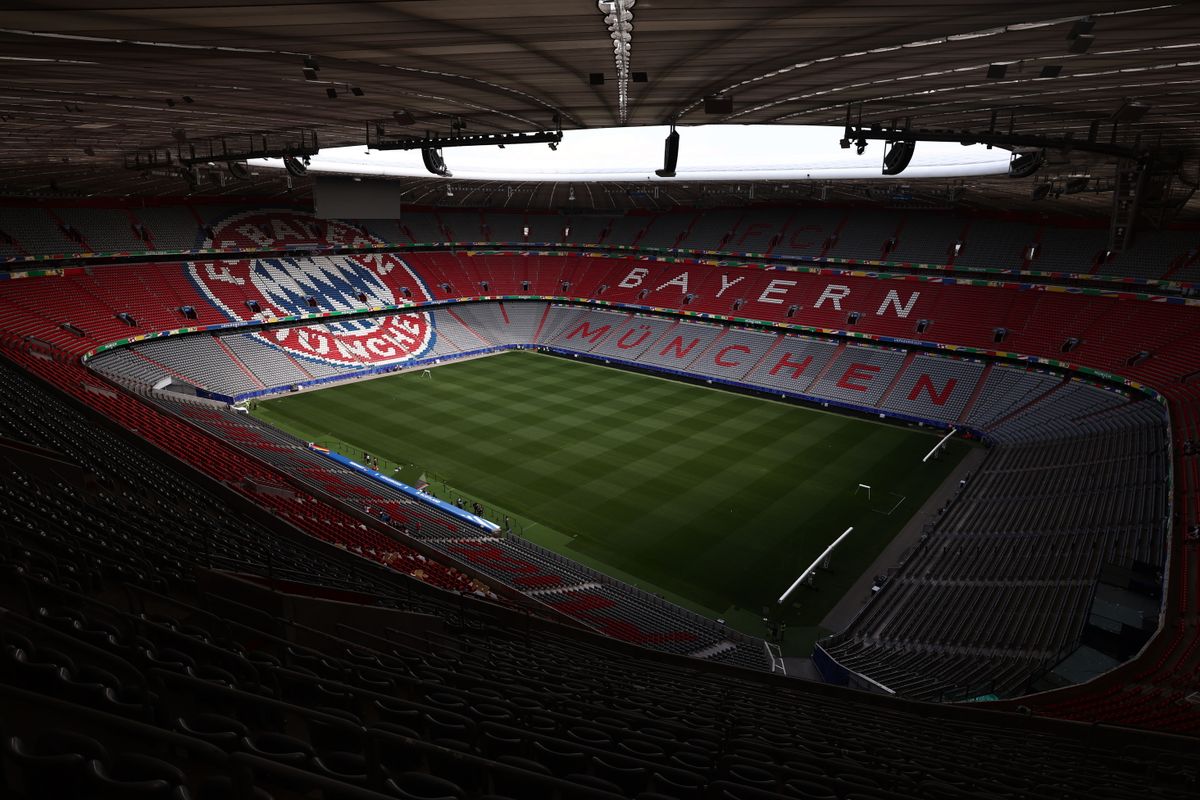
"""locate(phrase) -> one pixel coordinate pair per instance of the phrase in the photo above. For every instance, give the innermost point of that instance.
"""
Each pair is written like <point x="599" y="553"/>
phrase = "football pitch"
<point x="713" y="499"/>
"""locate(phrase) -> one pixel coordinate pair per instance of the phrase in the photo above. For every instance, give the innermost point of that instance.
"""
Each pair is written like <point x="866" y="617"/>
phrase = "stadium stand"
<point x="35" y="232"/>
<point x="891" y="225"/>
<point x="203" y="361"/>
<point x="170" y="227"/>
<point x="865" y="236"/>
<point x="759" y="231"/>
<point x="502" y="227"/>
<point x="925" y="238"/>
<point x="927" y="387"/>
<point x="734" y="353"/>
<point x="1072" y="490"/>
<point x="712" y="230"/>
<point x="192" y="680"/>
<point x="1038" y="322"/>
<point x="627" y="230"/>
<point x="996" y="244"/>
<point x="795" y="363"/>
<point x="810" y="232"/>
<point x="935" y="387"/>
<point x="270" y="366"/>
<point x="633" y="615"/>
<point x="908" y="238"/>
<point x="201" y="687"/>
<point x="1069" y="250"/>
<point x="858" y="375"/>
<point x="588" y="229"/>
<point x="107" y="230"/>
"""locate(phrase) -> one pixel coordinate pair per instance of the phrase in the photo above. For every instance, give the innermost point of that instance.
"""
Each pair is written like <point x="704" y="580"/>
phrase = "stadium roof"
<point x="83" y="82"/>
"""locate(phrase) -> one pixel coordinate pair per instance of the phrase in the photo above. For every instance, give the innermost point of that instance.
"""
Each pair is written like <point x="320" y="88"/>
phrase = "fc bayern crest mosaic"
<point x="284" y="285"/>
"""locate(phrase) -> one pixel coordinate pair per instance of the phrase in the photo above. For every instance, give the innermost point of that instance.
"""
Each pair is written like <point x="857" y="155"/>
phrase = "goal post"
<point x="862" y="486"/>
<point x="938" y="446"/>
<point x="813" y="566"/>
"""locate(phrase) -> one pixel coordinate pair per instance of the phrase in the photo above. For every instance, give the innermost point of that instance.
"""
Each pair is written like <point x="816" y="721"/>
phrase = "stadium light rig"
<point x="860" y="134"/>
<point x="295" y="146"/>
<point x="381" y="136"/>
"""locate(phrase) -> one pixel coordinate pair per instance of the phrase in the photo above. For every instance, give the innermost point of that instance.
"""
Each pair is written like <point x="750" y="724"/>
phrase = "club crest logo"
<point x="284" y="285"/>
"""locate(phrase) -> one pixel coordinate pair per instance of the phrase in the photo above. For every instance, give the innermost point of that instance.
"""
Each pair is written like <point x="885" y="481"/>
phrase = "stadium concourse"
<point x="172" y="562"/>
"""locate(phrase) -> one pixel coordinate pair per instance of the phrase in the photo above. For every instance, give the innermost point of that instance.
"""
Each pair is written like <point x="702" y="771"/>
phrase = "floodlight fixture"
<point x="718" y="104"/>
<point x="898" y="156"/>
<point x="295" y="167"/>
<point x="1076" y="184"/>
<point x="432" y="158"/>
<point x="1022" y="165"/>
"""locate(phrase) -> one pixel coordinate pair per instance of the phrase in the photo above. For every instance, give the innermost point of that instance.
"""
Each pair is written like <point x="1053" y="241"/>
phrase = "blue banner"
<point x="405" y="489"/>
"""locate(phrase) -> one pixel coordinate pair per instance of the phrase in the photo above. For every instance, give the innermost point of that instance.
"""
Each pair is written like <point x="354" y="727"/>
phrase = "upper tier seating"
<point x="170" y="227"/>
<point x="912" y="237"/>
<point x="107" y="230"/>
<point x="36" y="232"/>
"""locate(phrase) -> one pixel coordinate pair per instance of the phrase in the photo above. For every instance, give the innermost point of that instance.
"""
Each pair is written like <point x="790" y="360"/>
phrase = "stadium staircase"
<point x="295" y="362"/>
<point x="481" y="340"/>
<point x="833" y="359"/>
<point x="238" y="362"/>
<point x="908" y="360"/>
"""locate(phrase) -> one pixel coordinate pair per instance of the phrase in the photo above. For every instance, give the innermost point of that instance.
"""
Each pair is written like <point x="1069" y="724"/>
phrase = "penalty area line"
<point x="888" y="512"/>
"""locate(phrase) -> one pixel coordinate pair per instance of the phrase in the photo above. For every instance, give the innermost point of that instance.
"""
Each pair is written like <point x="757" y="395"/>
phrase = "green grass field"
<point x="713" y="499"/>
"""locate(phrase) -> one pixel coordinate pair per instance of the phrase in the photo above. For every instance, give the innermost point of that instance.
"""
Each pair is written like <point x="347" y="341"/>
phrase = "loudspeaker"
<point x="718" y="105"/>
<point x="670" y="156"/>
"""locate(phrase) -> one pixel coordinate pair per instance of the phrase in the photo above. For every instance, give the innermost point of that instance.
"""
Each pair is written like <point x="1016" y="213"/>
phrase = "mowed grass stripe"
<point x="717" y="498"/>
